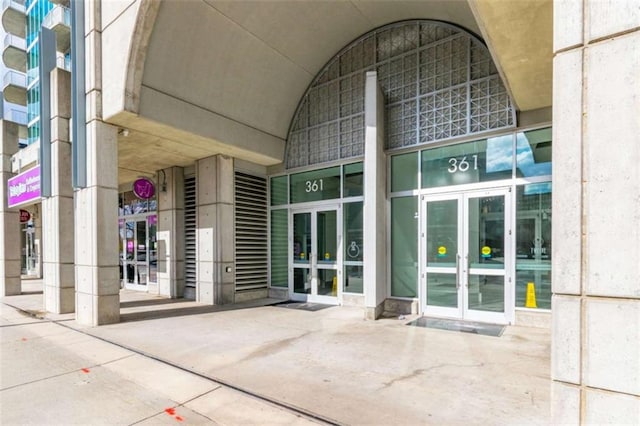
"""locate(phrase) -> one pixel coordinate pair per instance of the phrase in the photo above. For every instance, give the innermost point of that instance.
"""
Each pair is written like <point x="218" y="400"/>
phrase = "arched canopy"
<point x="439" y="83"/>
<point x="202" y="77"/>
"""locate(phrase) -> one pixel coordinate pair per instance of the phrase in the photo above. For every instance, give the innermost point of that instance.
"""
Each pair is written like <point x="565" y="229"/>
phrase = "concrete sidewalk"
<point x="263" y="365"/>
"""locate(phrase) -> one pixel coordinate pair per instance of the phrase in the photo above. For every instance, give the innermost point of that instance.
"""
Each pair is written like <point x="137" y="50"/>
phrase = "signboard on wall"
<point x="24" y="188"/>
<point x="144" y="188"/>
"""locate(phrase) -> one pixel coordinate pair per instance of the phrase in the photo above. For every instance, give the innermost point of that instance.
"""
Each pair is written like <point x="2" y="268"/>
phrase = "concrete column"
<point x="215" y="231"/>
<point x="9" y="218"/>
<point x="57" y="210"/>
<point x="96" y="206"/>
<point x="374" y="210"/>
<point x="171" y="232"/>
<point x="596" y="226"/>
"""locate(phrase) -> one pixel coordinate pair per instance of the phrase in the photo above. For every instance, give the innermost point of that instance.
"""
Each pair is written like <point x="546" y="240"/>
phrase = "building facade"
<point x="455" y="159"/>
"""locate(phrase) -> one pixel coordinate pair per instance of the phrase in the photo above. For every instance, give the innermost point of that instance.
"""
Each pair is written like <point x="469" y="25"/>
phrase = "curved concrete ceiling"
<point x="226" y="76"/>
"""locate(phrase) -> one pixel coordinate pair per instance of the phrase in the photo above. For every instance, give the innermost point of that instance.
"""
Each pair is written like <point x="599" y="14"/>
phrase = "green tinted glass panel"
<point x="353" y="279"/>
<point x="404" y="246"/>
<point x="279" y="187"/>
<point x="279" y="249"/>
<point x="404" y="172"/>
<point x="533" y="244"/>
<point x="353" y="232"/>
<point x="533" y="153"/>
<point x="315" y="185"/>
<point x="479" y="161"/>
<point x="353" y="180"/>
<point x="442" y="233"/>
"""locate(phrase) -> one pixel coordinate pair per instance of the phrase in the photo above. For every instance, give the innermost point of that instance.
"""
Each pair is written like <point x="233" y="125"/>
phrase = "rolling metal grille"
<point x="439" y="83"/>
<point x="190" y="232"/>
<point x="251" y="235"/>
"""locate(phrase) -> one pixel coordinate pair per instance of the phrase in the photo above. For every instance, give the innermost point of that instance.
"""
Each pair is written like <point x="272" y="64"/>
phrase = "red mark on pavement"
<point x="24" y="339"/>
<point x="170" y="411"/>
<point x="85" y="370"/>
<point x="178" y="418"/>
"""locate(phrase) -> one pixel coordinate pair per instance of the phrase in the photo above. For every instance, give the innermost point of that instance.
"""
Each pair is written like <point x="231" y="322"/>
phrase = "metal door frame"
<point x="462" y="268"/>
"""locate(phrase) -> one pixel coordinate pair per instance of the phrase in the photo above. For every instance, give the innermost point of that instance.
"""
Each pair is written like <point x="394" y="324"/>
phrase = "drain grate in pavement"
<point x="303" y="306"/>
<point x="494" y="330"/>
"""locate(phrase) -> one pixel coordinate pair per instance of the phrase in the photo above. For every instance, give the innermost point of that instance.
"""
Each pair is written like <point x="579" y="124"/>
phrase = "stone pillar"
<point x="170" y="235"/>
<point x="57" y="210"/>
<point x="10" y="248"/>
<point x="96" y="205"/>
<point x="215" y="231"/>
<point x="596" y="225"/>
<point x="374" y="210"/>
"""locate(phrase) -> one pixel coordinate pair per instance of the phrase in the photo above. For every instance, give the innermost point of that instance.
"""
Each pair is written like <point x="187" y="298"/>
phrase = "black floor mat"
<point x="303" y="306"/>
<point x="495" y="330"/>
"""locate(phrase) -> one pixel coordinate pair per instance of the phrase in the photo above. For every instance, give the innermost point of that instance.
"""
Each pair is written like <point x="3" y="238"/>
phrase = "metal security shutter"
<point x="190" y="236"/>
<point x="251" y="232"/>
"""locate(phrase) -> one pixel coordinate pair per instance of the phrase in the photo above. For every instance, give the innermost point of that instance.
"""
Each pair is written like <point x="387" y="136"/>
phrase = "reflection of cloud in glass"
<point x="537" y="188"/>
<point x="499" y="154"/>
<point x="526" y="162"/>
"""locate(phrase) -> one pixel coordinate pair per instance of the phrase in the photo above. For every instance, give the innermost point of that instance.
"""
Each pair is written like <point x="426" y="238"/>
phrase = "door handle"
<point x="468" y="262"/>
<point x="457" y="271"/>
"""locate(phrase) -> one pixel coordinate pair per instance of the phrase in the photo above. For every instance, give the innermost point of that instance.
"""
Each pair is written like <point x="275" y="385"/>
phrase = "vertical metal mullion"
<point x="78" y="99"/>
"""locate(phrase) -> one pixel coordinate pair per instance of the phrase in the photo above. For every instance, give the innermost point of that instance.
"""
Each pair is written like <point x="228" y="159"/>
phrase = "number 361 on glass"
<point x="462" y="164"/>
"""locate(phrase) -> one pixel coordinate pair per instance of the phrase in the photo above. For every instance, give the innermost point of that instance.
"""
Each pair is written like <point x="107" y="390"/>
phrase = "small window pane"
<point x="315" y="185"/>
<point x="533" y="244"/>
<point x="353" y="247"/>
<point x="404" y="172"/>
<point x="479" y="161"/>
<point x="279" y="190"/>
<point x="279" y="248"/>
<point x="353" y="180"/>
<point x="534" y="153"/>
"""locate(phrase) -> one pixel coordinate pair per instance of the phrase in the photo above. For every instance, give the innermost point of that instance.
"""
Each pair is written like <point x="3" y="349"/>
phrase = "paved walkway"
<point x="174" y="361"/>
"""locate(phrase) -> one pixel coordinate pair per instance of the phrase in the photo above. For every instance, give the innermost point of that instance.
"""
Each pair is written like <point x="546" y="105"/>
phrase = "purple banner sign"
<point x="24" y="188"/>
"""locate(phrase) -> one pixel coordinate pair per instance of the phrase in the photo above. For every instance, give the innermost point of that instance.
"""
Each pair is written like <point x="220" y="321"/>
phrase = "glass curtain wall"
<point x="344" y="184"/>
<point x="519" y="160"/>
<point x="36" y="11"/>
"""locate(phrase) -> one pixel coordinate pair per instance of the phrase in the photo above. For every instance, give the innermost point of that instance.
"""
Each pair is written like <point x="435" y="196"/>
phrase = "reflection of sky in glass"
<point x="525" y="160"/>
<point x="499" y="154"/>
<point x="537" y="188"/>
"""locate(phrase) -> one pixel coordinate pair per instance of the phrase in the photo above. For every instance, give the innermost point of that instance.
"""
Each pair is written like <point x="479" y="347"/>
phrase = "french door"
<point x="314" y="255"/>
<point x="466" y="255"/>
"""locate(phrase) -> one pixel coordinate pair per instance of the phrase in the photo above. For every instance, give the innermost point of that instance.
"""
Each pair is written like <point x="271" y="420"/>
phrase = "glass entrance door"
<point x="466" y="251"/>
<point x="315" y="256"/>
<point x="138" y="252"/>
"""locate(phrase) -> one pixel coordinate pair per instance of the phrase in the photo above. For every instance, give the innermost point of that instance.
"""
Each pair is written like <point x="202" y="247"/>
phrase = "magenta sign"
<point x="24" y="188"/>
<point x="144" y="188"/>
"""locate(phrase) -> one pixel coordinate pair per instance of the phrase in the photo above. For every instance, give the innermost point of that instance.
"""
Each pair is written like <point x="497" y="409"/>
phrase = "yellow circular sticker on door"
<point x="442" y="250"/>
<point x="327" y="256"/>
<point x="486" y="251"/>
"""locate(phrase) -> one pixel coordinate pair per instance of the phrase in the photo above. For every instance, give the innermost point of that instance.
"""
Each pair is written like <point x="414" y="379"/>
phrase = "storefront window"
<point x="129" y="204"/>
<point x="279" y="248"/>
<point x="404" y="246"/>
<point x="316" y="185"/>
<point x="404" y="172"/>
<point x="279" y="190"/>
<point x="480" y="161"/>
<point x="353" y="180"/>
<point x="534" y="153"/>
<point x="533" y="246"/>
<point x="353" y="247"/>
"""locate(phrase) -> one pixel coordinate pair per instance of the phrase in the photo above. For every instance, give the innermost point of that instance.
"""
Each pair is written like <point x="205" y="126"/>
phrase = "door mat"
<point x="303" y="306"/>
<point x="484" y="329"/>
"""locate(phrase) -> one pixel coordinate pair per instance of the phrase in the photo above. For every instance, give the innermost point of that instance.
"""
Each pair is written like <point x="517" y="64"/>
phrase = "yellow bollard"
<point x="531" y="296"/>
<point x="334" y="290"/>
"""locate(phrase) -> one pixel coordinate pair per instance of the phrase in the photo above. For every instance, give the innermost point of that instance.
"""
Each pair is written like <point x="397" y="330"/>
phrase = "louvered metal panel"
<point x="251" y="232"/>
<point x="190" y="211"/>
